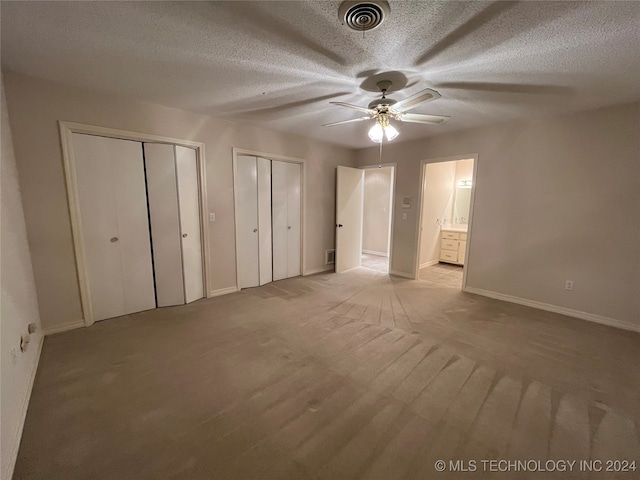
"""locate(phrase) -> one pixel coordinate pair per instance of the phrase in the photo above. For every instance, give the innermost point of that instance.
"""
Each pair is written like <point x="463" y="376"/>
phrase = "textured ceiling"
<point x="279" y="64"/>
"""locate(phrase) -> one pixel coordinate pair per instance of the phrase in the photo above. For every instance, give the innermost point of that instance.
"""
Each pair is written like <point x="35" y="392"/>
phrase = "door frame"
<point x="392" y="206"/>
<point x="418" y="237"/>
<point x="67" y="129"/>
<point x="303" y="199"/>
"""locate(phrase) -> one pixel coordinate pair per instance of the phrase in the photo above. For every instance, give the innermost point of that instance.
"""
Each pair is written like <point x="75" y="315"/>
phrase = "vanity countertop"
<point x="454" y="228"/>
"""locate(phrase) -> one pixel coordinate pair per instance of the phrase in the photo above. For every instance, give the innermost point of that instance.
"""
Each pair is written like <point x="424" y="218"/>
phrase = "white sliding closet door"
<point x="189" y="206"/>
<point x="247" y="222"/>
<point x="253" y="217"/>
<point x="286" y="219"/>
<point x="165" y="223"/>
<point x="293" y="212"/>
<point x="280" y="219"/>
<point x="115" y="226"/>
<point x="174" y="207"/>
<point x="264" y="220"/>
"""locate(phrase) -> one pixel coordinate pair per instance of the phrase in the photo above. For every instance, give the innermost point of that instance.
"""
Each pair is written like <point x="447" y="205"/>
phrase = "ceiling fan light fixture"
<point x="376" y="132"/>
<point x="382" y="128"/>
<point x="390" y="132"/>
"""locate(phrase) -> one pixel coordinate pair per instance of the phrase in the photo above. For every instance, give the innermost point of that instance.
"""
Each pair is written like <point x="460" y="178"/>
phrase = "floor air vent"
<point x="329" y="257"/>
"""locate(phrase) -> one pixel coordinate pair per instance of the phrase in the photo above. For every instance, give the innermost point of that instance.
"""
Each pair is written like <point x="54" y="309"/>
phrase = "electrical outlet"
<point x="404" y="216"/>
<point x="212" y="217"/>
<point x="568" y="285"/>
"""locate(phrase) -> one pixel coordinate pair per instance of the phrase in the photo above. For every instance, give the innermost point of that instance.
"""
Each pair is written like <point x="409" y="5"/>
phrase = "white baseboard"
<point x="222" y="291"/>
<point x="63" y="327"/>
<point x="428" y="264"/>
<point x="373" y="252"/>
<point x="326" y="268"/>
<point x="591" y="317"/>
<point x="11" y="462"/>
<point x="401" y="274"/>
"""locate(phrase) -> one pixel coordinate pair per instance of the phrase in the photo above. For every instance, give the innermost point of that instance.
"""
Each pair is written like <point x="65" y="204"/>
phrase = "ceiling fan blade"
<point x="355" y="107"/>
<point x="346" y="121"/>
<point x="420" y="118"/>
<point x="408" y="103"/>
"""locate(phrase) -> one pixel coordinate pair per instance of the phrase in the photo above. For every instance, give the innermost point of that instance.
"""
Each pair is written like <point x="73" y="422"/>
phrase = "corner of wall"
<point x="19" y="307"/>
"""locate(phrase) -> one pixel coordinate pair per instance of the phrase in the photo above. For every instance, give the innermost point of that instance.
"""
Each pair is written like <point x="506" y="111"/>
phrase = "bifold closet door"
<point x="286" y="219"/>
<point x="189" y="207"/>
<point x="114" y="225"/>
<point x="253" y="217"/>
<point x="174" y="210"/>
<point x="164" y="214"/>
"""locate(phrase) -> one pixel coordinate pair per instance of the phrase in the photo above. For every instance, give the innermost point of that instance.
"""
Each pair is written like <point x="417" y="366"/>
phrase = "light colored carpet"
<point x="358" y="375"/>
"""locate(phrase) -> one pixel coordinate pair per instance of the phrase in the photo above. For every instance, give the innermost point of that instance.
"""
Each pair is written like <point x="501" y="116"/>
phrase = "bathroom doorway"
<point x="447" y="192"/>
<point x="376" y="217"/>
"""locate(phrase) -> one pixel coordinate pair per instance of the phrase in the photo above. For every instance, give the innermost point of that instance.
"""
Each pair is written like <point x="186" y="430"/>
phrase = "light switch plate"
<point x="404" y="215"/>
<point x="212" y="217"/>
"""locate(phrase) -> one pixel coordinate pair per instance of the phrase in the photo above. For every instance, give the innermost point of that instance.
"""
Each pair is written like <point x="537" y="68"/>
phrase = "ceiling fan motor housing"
<point x="363" y="15"/>
<point x="381" y="102"/>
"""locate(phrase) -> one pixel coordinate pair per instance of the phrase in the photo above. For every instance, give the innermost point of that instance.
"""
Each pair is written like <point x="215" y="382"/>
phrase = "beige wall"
<point x="35" y="106"/>
<point x="555" y="199"/>
<point x="18" y="309"/>
<point x="376" y="214"/>
<point x="464" y="171"/>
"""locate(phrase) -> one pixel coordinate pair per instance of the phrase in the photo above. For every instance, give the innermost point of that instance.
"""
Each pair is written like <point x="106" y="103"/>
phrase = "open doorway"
<point x="376" y="218"/>
<point x="364" y="228"/>
<point x="445" y="219"/>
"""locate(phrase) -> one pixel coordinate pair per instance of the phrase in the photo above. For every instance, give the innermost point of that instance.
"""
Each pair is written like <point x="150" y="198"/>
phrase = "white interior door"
<point x="349" y="204"/>
<point x="189" y="207"/>
<point x="293" y="216"/>
<point x="264" y="220"/>
<point x="286" y="219"/>
<point x="280" y="214"/>
<point x="115" y="225"/>
<point x="247" y="222"/>
<point x="162" y="193"/>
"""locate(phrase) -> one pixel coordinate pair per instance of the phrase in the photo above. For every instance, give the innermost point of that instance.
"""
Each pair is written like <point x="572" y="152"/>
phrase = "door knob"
<point x="255" y="230"/>
<point x="114" y="239"/>
<point x="184" y="235"/>
<point x="289" y="227"/>
<point x="339" y="225"/>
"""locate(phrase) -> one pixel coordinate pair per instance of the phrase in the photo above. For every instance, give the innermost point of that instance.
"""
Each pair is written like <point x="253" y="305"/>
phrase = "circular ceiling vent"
<point x="363" y="15"/>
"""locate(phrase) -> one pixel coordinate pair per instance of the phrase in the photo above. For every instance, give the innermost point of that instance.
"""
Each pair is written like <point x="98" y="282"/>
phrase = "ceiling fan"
<point x="384" y="109"/>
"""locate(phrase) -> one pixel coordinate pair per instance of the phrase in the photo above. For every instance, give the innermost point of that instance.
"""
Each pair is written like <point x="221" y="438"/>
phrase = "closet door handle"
<point x="255" y="230"/>
<point x="114" y="239"/>
<point x="184" y="235"/>
<point x="289" y="227"/>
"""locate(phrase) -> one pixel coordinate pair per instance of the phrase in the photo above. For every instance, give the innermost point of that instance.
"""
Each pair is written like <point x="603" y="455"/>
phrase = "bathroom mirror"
<point x="461" y="205"/>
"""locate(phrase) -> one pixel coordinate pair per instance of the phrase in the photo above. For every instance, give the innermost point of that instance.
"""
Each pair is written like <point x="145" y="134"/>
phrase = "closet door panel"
<point x="247" y="221"/>
<point x="162" y="193"/>
<point x="264" y="220"/>
<point x="133" y="225"/>
<point x="293" y="218"/>
<point x="279" y="217"/>
<point x="189" y="205"/>
<point x="99" y="225"/>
